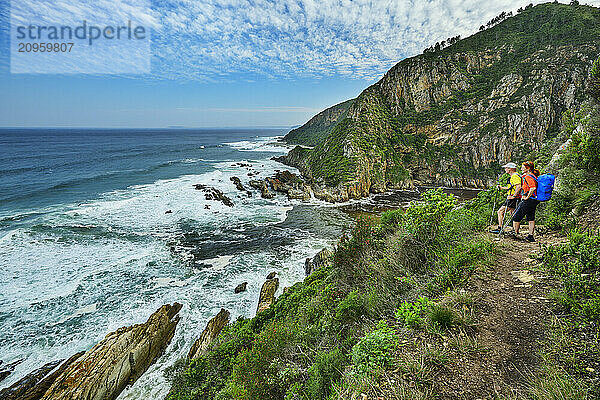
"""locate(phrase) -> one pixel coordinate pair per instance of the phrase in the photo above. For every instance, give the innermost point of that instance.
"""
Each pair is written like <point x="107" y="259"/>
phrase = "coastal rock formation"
<point x="284" y="182"/>
<point x="211" y="193"/>
<point x="262" y="186"/>
<point x="238" y="183"/>
<point x="7" y="369"/>
<point x="212" y="330"/>
<point x="452" y="117"/>
<point x="35" y="384"/>
<point x="118" y="360"/>
<point x="319" y="126"/>
<point x="321" y="259"/>
<point x="267" y="293"/>
<point x="241" y="287"/>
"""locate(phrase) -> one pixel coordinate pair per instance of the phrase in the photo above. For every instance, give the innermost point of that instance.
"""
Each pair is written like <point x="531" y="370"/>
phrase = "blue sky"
<point x="233" y="62"/>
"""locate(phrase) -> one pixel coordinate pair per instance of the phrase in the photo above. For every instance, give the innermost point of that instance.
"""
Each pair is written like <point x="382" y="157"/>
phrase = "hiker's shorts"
<point x="527" y="209"/>
<point x="511" y="203"/>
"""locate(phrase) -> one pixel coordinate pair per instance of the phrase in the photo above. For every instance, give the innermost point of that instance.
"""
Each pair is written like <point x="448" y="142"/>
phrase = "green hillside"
<point x="451" y="117"/>
<point x="319" y="127"/>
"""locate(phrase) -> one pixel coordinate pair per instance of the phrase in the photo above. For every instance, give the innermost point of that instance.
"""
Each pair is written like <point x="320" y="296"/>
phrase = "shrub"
<point x="326" y="370"/>
<point x="411" y="314"/>
<point x="375" y="350"/>
<point x="351" y="308"/>
<point x="577" y="263"/>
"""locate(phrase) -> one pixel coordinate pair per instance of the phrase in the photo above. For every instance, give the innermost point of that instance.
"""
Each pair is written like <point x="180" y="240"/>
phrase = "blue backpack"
<point x="545" y="184"/>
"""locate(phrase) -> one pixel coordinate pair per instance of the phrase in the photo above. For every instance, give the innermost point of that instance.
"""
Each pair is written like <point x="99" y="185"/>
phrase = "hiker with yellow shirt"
<point x="513" y="195"/>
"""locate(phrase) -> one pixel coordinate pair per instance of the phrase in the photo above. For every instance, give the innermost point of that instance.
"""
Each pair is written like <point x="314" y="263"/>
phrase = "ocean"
<point x="99" y="228"/>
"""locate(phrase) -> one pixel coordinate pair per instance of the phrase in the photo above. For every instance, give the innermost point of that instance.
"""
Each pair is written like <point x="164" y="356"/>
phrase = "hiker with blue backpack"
<point x="534" y="188"/>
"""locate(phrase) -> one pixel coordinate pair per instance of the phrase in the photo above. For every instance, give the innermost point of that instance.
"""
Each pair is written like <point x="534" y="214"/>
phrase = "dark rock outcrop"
<point x="241" y="287"/>
<point x="267" y="294"/>
<point x="118" y="360"/>
<point x="212" y="330"/>
<point x="272" y="275"/>
<point x="35" y="384"/>
<point x="211" y="193"/>
<point x="238" y="183"/>
<point x="7" y="369"/>
<point x="321" y="259"/>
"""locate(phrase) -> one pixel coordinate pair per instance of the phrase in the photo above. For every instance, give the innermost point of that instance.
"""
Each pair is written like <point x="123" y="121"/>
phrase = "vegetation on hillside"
<point x="390" y="311"/>
<point x="319" y="127"/>
<point x="341" y="327"/>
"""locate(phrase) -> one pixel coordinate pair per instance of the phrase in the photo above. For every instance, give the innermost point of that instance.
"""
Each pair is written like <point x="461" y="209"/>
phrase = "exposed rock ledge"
<point x="104" y="371"/>
<point x="321" y="259"/>
<point x="212" y="330"/>
<point x="267" y="293"/>
<point x="358" y="189"/>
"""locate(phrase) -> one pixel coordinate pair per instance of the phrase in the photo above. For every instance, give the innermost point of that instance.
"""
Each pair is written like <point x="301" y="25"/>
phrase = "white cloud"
<point x="229" y="40"/>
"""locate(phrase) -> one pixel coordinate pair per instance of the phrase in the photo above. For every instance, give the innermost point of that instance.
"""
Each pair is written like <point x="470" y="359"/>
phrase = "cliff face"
<point x="319" y="127"/>
<point x="452" y="117"/>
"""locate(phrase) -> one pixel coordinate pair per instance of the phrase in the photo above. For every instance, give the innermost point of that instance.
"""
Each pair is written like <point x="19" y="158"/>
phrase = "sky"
<point x="217" y="63"/>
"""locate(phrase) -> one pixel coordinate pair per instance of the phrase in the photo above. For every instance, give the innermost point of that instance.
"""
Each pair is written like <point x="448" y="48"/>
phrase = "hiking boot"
<point x="530" y="238"/>
<point x="496" y="231"/>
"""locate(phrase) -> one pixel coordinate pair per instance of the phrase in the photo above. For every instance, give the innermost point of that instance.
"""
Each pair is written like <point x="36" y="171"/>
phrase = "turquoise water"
<point x="86" y="246"/>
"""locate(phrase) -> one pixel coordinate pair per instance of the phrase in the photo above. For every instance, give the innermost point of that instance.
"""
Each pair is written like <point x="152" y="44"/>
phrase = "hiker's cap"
<point x="510" y="165"/>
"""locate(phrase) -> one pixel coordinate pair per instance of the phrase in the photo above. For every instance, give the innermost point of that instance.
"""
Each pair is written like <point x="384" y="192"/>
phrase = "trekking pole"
<point x="493" y="209"/>
<point x="504" y="222"/>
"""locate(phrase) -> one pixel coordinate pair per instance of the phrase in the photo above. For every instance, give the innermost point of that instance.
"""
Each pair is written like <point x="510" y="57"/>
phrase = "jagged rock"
<point x="241" y="287"/>
<point x="298" y="194"/>
<point x="256" y="184"/>
<point x="211" y="193"/>
<point x="288" y="177"/>
<point x="277" y="185"/>
<point x="118" y="360"/>
<point x="212" y="330"/>
<point x="168" y="212"/>
<point x="262" y="186"/>
<point x="207" y="207"/>
<point x="35" y="384"/>
<point x="7" y="369"/>
<point x="248" y="193"/>
<point x="267" y="294"/>
<point x="321" y="259"/>
<point x="238" y="183"/>
<point x="272" y="275"/>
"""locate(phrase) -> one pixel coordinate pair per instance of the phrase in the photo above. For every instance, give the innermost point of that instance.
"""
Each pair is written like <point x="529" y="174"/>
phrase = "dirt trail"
<point x="512" y="310"/>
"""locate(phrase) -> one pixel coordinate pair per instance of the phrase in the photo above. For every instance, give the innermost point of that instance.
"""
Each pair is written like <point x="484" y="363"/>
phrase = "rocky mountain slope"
<point x="451" y="117"/>
<point x="319" y="127"/>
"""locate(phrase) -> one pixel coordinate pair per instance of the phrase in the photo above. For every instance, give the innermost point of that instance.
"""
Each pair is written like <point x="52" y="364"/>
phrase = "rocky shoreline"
<point x="125" y="354"/>
<point x="107" y="368"/>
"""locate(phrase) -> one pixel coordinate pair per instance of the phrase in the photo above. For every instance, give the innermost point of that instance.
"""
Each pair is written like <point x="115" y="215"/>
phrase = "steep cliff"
<point x="319" y="127"/>
<point x="451" y="117"/>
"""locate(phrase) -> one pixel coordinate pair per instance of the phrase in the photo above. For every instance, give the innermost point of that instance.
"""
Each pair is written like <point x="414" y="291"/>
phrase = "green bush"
<point x="351" y="308"/>
<point x="326" y="370"/>
<point x="375" y="350"/>
<point x="411" y="314"/>
<point x="577" y="263"/>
